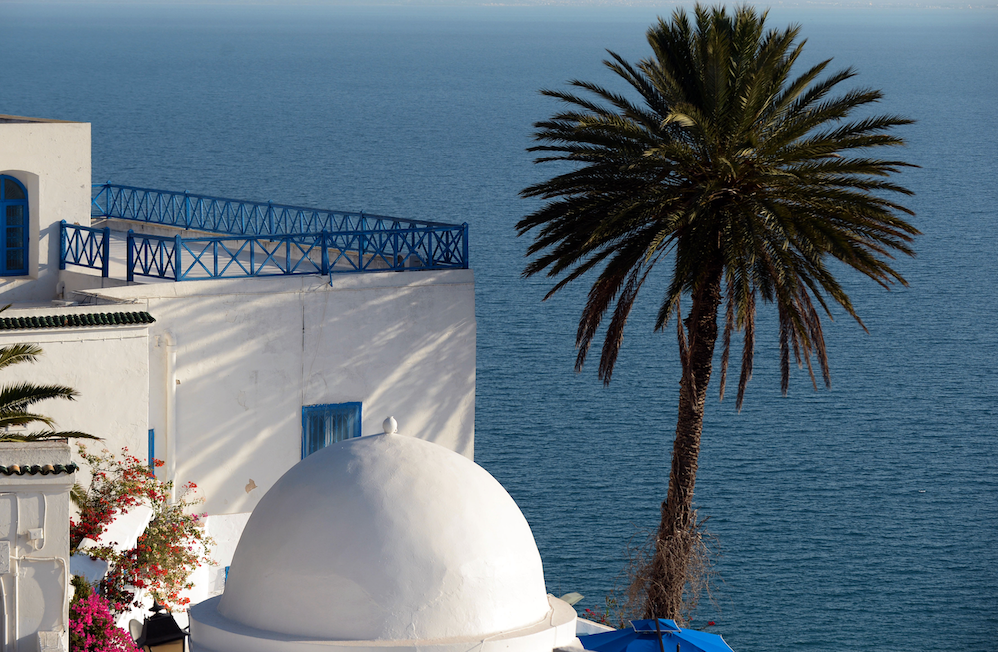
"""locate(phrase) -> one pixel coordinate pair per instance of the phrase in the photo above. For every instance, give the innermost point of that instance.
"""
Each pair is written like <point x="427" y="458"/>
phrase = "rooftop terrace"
<point x="179" y="236"/>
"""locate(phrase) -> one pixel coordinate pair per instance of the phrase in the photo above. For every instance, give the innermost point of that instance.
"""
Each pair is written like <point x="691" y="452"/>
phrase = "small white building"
<point x="34" y="545"/>
<point x="389" y="543"/>
<point x="228" y="338"/>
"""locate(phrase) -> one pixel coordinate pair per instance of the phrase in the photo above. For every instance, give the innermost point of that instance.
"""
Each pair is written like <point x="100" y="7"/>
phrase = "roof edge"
<point x="20" y="119"/>
<point x="76" y="320"/>
<point x="38" y="469"/>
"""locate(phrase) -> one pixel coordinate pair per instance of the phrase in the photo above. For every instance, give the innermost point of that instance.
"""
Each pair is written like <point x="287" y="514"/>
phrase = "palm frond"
<point x="729" y="158"/>
<point x="45" y="435"/>
<point x="17" y="397"/>
<point x="16" y="353"/>
<point x="78" y="495"/>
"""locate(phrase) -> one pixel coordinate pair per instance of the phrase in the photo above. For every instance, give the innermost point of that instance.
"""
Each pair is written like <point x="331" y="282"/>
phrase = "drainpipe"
<point x="170" y="366"/>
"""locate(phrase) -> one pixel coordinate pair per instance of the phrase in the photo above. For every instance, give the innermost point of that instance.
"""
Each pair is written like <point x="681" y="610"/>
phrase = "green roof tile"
<point x="37" y="469"/>
<point x="76" y="320"/>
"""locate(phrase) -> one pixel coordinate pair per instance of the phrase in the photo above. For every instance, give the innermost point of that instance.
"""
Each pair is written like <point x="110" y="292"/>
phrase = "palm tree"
<point x="16" y="399"/>
<point x="739" y="178"/>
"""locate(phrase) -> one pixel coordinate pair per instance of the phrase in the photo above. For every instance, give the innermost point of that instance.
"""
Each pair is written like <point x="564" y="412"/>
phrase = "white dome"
<point x="386" y="537"/>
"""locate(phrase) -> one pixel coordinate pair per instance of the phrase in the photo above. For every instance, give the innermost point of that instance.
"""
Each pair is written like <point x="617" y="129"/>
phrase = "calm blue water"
<point x="861" y="518"/>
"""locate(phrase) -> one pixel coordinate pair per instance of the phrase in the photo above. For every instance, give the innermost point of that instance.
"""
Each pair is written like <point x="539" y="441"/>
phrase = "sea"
<point x="860" y="518"/>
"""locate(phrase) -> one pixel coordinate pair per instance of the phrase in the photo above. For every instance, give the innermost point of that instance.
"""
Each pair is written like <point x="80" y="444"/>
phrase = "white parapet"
<point x="212" y="632"/>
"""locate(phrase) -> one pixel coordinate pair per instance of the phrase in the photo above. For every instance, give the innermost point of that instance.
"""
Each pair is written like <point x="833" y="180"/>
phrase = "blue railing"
<point x="184" y="259"/>
<point x="84" y="246"/>
<point x="152" y="255"/>
<point x="232" y="216"/>
<point x="256" y="239"/>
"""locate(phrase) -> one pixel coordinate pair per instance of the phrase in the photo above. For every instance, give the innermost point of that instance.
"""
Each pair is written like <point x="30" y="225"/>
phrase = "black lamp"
<point x="160" y="632"/>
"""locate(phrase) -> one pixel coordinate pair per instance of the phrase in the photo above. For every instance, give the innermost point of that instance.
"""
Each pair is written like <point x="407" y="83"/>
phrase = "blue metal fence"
<point x="184" y="259"/>
<point x="256" y="239"/>
<point x="233" y="216"/>
<point x="84" y="246"/>
<point x="152" y="255"/>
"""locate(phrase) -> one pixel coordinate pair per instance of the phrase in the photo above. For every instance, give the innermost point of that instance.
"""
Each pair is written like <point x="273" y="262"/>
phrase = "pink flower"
<point x="91" y="627"/>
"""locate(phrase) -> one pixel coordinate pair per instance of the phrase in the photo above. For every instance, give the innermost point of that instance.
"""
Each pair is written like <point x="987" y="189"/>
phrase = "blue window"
<point x="323" y="425"/>
<point x="14" y="217"/>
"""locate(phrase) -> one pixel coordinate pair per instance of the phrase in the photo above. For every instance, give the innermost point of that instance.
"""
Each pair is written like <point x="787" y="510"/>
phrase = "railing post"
<point x="465" y="253"/>
<point x="287" y="254"/>
<point x="177" y="244"/>
<point x="361" y="246"/>
<point x="187" y="209"/>
<point x="130" y="257"/>
<point x="105" y="246"/>
<point x="270" y="217"/>
<point x="412" y="246"/>
<point x="107" y="198"/>
<point x="397" y="261"/>
<point x="214" y="254"/>
<point x="62" y="245"/>
<point x="325" y="253"/>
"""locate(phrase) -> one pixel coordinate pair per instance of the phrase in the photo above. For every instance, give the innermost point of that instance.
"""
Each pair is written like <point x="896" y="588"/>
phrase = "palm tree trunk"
<point x="676" y="532"/>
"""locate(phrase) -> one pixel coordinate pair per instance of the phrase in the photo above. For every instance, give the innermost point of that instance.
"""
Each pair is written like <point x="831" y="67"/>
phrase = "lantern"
<point x="160" y="632"/>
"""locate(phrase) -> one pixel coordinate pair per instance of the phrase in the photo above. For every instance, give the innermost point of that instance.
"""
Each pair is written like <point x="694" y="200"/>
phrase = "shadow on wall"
<point x="247" y="364"/>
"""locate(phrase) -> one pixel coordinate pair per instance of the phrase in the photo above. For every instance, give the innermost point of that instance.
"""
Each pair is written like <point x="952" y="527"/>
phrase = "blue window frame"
<point x="14" y="222"/>
<point x="322" y="425"/>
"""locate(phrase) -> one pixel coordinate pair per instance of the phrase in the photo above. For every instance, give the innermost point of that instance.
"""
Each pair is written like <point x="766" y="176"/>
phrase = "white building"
<point x="34" y="545"/>
<point x="387" y="543"/>
<point x="227" y="338"/>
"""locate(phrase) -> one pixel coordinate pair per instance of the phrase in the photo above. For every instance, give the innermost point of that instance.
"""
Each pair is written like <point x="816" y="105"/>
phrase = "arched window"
<point x="14" y="216"/>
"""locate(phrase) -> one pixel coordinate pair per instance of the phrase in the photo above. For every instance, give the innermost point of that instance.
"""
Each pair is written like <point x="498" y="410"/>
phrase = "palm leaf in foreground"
<point x="46" y="435"/>
<point x="15" y="400"/>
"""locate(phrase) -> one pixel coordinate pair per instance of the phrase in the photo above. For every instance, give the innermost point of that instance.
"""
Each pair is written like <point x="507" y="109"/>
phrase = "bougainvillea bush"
<point x="172" y="546"/>
<point x="612" y="614"/>
<point x="91" y="624"/>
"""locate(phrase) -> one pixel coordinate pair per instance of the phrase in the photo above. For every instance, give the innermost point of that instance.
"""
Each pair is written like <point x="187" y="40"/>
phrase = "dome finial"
<point x="391" y="426"/>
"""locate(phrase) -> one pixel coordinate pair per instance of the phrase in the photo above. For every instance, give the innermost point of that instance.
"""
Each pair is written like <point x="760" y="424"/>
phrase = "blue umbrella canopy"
<point x="654" y="636"/>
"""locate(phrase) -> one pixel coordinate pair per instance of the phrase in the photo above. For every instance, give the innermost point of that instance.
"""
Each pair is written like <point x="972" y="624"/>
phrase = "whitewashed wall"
<point x="249" y="353"/>
<point x="52" y="159"/>
<point x="35" y="593"/>
<point x="108" y="366"/>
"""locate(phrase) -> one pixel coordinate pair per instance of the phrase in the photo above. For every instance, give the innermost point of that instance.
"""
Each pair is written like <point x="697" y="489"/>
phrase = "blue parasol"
<point x="654" y="636"/>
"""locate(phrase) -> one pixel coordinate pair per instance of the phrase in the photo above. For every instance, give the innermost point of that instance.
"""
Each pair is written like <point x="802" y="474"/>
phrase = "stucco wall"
<point x="108" y="366"/>
<point x="52" y="160"/>
<point x="34" y="576"/>
<point x="250" y="353"/>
